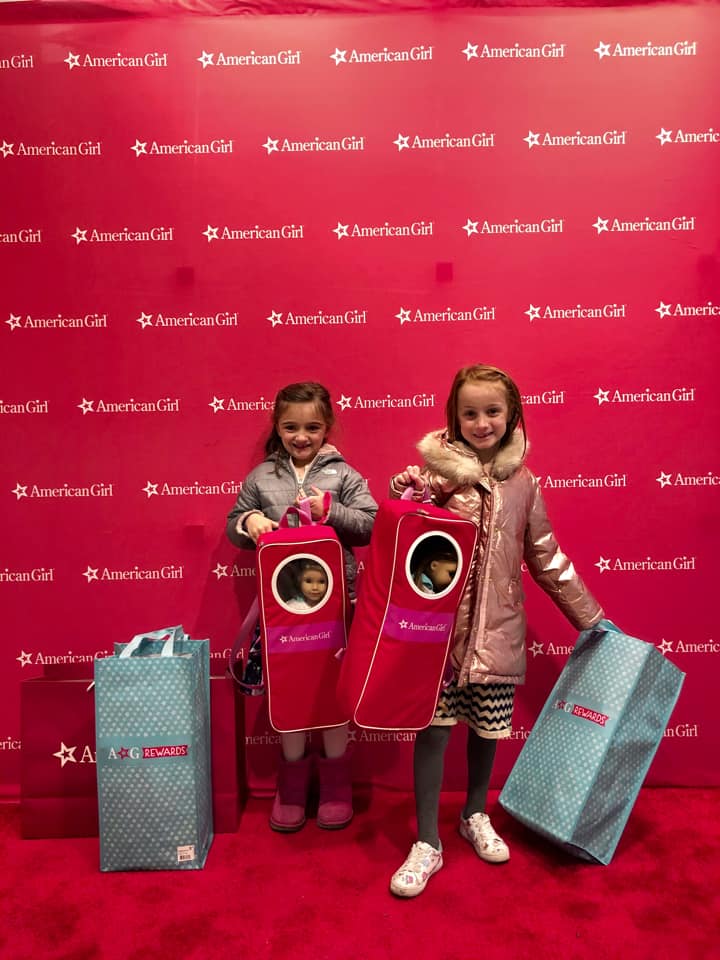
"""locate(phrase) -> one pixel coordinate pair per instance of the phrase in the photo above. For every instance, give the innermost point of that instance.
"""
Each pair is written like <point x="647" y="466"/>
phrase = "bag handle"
<point x="169" y="635"/>
<point x="409" y="494"/>
<point x="299" y="515"/>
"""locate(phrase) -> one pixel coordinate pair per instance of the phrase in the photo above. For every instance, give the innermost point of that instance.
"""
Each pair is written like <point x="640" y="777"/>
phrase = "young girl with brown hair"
<point x="476" y="467"/>
<point x="301" y="465"/>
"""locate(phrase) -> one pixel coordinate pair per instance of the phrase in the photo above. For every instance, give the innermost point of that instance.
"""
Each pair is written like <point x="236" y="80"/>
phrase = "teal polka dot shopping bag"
<point x="152" y="719"/>
<point x="579" y="772"/>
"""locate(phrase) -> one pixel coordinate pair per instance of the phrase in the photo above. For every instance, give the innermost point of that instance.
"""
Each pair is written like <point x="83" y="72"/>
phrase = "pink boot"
<point x="335" y="807"/>
<point x="288" y="812"/>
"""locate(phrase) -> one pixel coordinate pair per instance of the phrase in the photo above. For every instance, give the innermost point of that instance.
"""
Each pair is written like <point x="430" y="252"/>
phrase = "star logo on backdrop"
<point x="665" y="480"/>
<point x="65" y="754"/>
<point x="220" y="570"/>
<point x="471" y="227"/>
<point x="532" y="139"/>
<point x="151" y="489"/>
<point x="7" y="149"/>
<point x="536" y="648"/>
<point x="271" y="145"/>
<point x="123" y="753"/>
<point x="79" y="236"/>
<point x="91" y="573"/>
<point x="86" y="406"/>
<point x="72" y="60"/>
<point x="352" y="735"/>
<point x="403" y="624"/>
<point x="340" y="56"/>
<point x="140" y="147"/>
<point x="341" y="230"/>
<point x="145" y="320"/>
<point x="403" y="316"/>
<point x="532" y="313"/>
<point x="275" y="318"/>
<point x="25" y="659"/>
<point x="602" y="50"/>
<point x="602" y="396"/>
<point x="601" y="225"/>
<point x="13" y="322"/>
<point x="402" y="142"/>
<point x="665" y="646"/>
<point x="663" y="310"/>
<point x="344" y="402"/>
<point x="603" y="565"/>
<point x="206" y="59"/>
<point x="665" y="136"/>
<point x="19" y="490"/>
<point x="470" y="51"/>
<point x="217" y="404"/>
<point x="211" y="233"/>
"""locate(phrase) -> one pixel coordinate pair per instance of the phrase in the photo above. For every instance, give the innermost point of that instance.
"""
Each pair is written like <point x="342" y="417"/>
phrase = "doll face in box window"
<point x="433" y="564"/>
<point x="441" y="572"/>
<point x="303" y="583"/>
<point x="313" y="585"/>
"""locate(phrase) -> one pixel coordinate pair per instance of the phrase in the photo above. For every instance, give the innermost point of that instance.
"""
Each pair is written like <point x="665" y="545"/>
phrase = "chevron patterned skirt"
<point x="485" y="707"/>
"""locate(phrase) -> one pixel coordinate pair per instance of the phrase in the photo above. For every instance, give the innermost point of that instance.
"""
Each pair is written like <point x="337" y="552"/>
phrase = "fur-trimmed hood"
<point x="460" y="465"/>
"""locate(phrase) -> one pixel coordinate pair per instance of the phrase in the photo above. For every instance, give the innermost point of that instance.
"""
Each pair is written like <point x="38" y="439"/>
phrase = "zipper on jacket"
<point x="308" y="470"/>
<point x="485" y="580"/>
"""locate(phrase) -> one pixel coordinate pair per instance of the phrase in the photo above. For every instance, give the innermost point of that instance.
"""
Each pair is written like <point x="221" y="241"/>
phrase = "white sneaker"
<point x="479" y="832"/>
<point x="412" y="877"/>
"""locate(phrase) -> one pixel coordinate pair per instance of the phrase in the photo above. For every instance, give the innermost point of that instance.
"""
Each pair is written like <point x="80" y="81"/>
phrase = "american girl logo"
<point x="291" y="639"/>
<point x="584" y="712"/>
<point x="18" y="61"/>
<point x="413" y="625"/>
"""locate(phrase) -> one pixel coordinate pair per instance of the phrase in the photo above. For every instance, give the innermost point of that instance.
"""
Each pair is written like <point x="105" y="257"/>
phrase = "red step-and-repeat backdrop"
<point x="198" y="211"/>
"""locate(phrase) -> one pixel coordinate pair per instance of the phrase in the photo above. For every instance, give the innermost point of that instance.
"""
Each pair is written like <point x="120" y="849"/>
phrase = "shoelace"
<point x="416" y="860"/>
<point x="486" y="832"/>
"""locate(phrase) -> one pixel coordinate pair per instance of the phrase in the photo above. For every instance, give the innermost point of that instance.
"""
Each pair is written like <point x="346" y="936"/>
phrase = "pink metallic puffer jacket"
<point x="508" y="507"/>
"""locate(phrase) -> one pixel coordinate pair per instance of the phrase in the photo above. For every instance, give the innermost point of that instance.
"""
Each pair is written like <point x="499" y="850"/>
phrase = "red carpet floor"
<point x="324" y="895"/>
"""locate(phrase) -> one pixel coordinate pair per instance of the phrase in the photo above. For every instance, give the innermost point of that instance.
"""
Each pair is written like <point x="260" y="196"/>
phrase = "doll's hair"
<point x="430" y="550"/>
<point x="305" y="565"/>
<point x="306" y="392"/>
<point x="482" y="373"/>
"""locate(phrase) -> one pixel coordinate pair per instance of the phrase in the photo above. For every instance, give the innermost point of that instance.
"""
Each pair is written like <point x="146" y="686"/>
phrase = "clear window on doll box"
<point x="433" y="564"/>
<point x="302" y="583"/>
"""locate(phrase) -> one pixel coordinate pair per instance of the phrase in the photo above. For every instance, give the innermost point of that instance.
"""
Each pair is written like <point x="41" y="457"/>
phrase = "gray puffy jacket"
<point x="272" y="487"/>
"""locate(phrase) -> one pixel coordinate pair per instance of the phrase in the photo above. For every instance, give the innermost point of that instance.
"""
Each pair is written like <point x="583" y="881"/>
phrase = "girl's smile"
<point x="483" y="416"/>
<point x="302" y="432"/>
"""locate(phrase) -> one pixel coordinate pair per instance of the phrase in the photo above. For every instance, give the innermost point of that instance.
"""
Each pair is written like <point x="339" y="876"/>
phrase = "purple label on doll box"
<point x="412" y="626"/>
<point x="301" y="638"/>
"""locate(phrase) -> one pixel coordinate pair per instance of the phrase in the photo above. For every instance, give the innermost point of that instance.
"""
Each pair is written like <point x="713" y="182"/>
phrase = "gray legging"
<point x="428" y="763"/>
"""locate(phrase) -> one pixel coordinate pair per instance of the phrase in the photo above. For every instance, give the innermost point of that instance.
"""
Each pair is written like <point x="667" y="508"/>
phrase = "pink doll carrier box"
<point x="403" y="625"/>
<point x="302" y="644"/>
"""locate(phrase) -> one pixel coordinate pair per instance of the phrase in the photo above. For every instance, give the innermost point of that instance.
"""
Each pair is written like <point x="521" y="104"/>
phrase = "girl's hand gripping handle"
<point x="257" y="524"/>
<point x="411" y="482"/>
